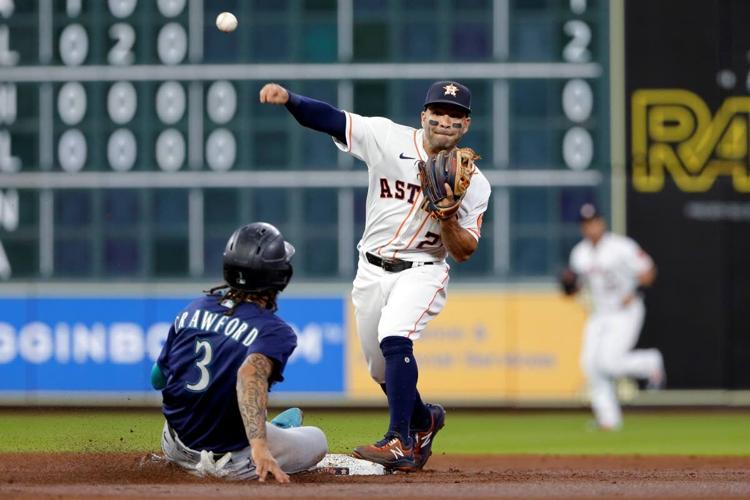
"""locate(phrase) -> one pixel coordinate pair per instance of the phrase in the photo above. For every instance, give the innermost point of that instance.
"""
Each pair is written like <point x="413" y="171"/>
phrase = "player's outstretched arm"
<point x="252" y="397"/>
<point x="310" y="113"/>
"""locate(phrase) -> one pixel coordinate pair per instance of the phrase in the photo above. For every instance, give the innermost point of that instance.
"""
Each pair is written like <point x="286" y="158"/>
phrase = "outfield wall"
<point x="485" y="348"/>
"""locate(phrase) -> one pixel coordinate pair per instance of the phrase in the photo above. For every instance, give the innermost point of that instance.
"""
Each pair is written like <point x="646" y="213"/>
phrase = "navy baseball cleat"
<point x="423" y="439"/>
<point x="390" y="452"/>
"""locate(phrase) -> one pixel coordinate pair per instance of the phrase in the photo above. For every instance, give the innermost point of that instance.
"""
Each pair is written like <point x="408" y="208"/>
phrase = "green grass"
<point x="562" y="433"/>
<point x="79" y="431"/>
<point x="665" y="433"/>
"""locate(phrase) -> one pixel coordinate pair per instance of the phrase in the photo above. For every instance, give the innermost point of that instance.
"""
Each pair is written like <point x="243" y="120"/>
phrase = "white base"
<point x="345" y="465"/>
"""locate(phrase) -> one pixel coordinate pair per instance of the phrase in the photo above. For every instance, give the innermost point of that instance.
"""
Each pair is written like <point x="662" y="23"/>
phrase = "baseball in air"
<point x="226" y="22"/>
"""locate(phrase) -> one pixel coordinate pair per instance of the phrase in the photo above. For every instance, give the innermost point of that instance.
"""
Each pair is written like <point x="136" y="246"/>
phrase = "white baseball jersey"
<point x="396" y="226"/>
<point x="610" y="268"/>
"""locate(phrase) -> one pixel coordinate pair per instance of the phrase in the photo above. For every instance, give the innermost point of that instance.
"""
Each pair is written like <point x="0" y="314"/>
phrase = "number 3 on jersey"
<point x="202" y="364"/>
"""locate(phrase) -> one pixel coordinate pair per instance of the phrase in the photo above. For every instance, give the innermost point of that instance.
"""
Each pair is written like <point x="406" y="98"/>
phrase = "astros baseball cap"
<point x="448" y="92"/>
<point x="587" y="212"/>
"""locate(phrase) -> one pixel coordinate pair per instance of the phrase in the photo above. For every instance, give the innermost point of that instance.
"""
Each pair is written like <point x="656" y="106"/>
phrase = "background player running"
<point x="222" y="354"/>
<point x="613" y="267"/>
<point x="402" y="274"/>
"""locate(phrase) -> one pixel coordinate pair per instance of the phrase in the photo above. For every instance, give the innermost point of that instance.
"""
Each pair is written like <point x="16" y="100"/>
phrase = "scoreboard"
<point x="131" y="141"/>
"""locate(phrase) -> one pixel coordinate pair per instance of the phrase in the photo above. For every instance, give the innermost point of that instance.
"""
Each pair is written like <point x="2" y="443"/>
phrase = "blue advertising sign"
<point x="109" y="344"/>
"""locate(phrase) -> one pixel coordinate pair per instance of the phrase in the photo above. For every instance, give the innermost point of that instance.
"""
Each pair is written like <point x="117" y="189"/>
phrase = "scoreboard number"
<point x="121" y="53"/>
<point x="71" y="150"/>
<point x="577" y="96"/>
<point x="170" y="150"/>
<point x="121" y="150"/>
<point x="170" y="102"/>
<point x="171" y="44"/>
<point x="122" y="8"/>
<point x="71" y="103"/>
<point x="121" y="102"/>
<point x="74" y="45"/>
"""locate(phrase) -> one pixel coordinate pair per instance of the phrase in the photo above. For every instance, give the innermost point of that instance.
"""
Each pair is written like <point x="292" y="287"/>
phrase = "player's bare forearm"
<point x="459" y="242"/>
<point x="252" y="394"/>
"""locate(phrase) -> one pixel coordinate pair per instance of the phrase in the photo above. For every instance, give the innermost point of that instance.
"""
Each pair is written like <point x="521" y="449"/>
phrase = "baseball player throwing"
<point x="413" y="222"/>
<point x="613" y="267"/>
<point x="221" y="356"/>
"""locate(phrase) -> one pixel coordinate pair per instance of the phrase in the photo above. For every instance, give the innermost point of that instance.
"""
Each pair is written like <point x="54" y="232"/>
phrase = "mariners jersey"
<point x="200" y="359"/>
<point x="610" y="269"/>
<point x="396" y="225"/>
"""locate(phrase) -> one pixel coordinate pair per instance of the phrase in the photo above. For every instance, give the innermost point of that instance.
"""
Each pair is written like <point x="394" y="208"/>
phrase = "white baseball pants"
<point x="390" y="304"/>
<point x="296" y="450"/>
<point x="607" y="354"/>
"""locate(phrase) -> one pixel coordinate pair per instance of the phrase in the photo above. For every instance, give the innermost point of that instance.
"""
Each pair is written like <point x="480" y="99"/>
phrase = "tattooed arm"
<point x="252" y="396"/>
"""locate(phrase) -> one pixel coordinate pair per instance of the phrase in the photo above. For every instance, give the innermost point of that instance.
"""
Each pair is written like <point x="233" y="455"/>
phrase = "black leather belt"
<point x="393" y="265"/>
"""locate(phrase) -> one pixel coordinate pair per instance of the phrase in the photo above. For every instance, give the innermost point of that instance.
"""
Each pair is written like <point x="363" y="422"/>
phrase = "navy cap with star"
<point x="449" y="92"/>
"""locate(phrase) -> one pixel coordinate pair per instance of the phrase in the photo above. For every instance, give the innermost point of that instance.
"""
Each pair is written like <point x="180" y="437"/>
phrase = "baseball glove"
<point x="568" y="282"/>
<point x="454" y="168"/>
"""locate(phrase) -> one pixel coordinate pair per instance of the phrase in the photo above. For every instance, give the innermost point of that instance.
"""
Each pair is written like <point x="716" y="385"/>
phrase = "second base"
<point x="339" y="464"/>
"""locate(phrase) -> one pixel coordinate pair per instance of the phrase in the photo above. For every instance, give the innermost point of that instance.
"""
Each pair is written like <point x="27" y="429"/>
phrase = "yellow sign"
<point x="508" y="346"/>
<point x="673" y="132"/>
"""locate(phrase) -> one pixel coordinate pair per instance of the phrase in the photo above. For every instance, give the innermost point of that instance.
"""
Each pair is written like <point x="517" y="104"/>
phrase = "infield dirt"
<point x="97" y="475"/>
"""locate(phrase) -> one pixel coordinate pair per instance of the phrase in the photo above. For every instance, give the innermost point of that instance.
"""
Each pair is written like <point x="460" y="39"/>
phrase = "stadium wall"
<point x="97" y="349"/>
<point x="492" y="346"/>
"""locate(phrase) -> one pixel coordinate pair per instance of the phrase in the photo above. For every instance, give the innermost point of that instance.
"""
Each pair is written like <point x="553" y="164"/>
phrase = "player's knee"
<point x="612" y="367"/>
<point x="387" y="332"/>
<point x="314" y="449"/>
<point x="588" y="366"/>
<point x="392" y="346"/>
<point x="377" y="370"/>
<point x="318" y="445"/>
<point x="299" y="448"/>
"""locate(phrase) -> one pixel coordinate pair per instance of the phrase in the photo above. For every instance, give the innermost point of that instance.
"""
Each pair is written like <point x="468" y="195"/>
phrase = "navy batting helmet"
<point x="256" y="259"/>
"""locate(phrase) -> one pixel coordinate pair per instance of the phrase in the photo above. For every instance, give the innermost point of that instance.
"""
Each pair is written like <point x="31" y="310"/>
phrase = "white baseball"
<point x="226" y="22"/>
